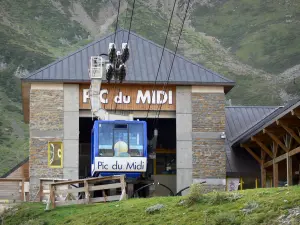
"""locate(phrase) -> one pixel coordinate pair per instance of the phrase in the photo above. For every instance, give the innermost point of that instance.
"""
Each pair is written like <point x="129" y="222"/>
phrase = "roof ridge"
<point x="254" y="124"/>
<point x="248" y="106"/>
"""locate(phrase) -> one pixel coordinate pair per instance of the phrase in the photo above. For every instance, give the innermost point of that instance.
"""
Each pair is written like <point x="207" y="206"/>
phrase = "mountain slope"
<point x="253" y="42"/>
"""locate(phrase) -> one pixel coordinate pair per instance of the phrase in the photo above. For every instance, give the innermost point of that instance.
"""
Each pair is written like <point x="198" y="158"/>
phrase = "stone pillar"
<point x="71" y="131"/>
<point x="183" y="138"/>
<point x="46" y="124"/>
<point x="208" y="123"/>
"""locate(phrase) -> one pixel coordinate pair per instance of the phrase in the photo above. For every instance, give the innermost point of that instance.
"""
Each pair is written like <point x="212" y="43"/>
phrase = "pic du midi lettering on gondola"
<point x="120" y="165"/>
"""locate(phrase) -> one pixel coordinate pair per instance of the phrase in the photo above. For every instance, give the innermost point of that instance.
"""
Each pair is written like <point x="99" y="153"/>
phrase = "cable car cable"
<point x="130" y="21"/>
<point x="123" y="41"/>
<point x="162" y="55"/>
<point x="165" y="84"/>
<point x="115" y="62"/>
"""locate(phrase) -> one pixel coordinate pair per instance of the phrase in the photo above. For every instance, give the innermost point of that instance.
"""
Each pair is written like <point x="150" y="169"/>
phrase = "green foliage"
<point x="226" y="218"/>
<point x="264" y="34"/>
<point x="217" y="197"/>
<point x="272" y="210"/>
<point x="195" y="195"/>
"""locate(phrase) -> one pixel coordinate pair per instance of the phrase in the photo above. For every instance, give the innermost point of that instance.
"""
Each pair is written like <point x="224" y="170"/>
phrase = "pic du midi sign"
<point x="132" y="97"/>
<point x="124" y="164"/>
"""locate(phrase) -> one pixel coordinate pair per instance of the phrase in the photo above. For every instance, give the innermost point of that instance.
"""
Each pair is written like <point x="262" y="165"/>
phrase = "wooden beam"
<point x="275" y="149"/>
<point x="293" y="121"/>
<point x="295" y="112"/>
<point x="289" y="171"/>
<point x="269" y="163"/>
<point x="282" y="157"/>
<point x="275" y="174"/>
<point x="262" y="146"/>
<point x="276" y="139"/>
<point x="252" y="153"/>
<point x="289" y="130"/>
<point x="294" y="151"/>
<point x="263" y="172"/>
<point x="276" y="160"/>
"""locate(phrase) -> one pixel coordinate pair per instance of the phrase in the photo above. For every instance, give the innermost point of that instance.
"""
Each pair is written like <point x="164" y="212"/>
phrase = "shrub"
<point x="221" y="197"/>
<point x="195" y="195"/>
<point x="226" y="218"/>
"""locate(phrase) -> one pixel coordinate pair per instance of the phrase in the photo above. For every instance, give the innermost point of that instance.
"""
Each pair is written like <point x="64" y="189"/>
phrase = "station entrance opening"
<point x="161" y="164"/>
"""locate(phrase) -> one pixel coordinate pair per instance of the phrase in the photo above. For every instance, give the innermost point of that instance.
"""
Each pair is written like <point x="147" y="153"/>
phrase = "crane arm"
<point x="98" y="67"/>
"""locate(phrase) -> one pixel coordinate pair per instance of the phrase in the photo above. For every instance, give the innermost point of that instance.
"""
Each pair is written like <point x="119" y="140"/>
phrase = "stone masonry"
<point x="208" y="148"/>
<point x="46" y="124"/>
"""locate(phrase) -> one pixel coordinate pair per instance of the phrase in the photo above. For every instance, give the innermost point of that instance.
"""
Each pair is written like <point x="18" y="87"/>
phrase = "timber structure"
<point x="274" y="142"/>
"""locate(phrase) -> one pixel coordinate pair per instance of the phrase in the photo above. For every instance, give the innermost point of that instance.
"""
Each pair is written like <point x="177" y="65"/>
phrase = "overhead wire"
<point x="115" y="84"/>
<point x="161" y="56"/>
<point x="130" y="21"/>
<point x="123" y="35"/>
<point x="174" y="56"/>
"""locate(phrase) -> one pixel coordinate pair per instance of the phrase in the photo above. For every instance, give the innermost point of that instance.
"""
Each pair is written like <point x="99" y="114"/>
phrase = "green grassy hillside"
<point x="256" y="206"/>
<point x="253" y="42"/>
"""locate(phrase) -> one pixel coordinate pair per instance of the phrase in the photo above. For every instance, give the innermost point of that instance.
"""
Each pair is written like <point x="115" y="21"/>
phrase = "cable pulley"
<point x="125" y="52"/>
<point x="109" y="72"/>
<point x="112" y="53"/>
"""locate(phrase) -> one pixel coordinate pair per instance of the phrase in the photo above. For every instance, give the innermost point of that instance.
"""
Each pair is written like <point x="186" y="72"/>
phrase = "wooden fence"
<point x="83" y="191"/>
<point x="13" y="190"/>
<point x="44" y="191"/>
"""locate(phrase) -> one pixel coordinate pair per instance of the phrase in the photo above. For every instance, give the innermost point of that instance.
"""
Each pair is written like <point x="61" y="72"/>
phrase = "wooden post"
<point x="289" y="170"/>
<point x="299" y="175"/>
<point x="22" y="191"/>
<point x="41" y="190"/>
<point x="241" y="182"/>
<point x="256" y="183"/>
<point x="275" y="174"/>
<point x="86" y="190"/>
<point x="263" y="170"/>
<point x="123" y="188"/>
<point x="52" y="195"/>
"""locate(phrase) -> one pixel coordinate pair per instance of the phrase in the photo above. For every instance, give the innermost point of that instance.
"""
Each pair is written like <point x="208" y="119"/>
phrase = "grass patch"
<point x="269" y="206"/>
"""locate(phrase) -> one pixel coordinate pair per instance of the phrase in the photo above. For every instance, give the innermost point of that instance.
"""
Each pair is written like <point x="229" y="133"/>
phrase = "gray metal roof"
<point x="142" y="65"/>
<point x="267" y="120"/>
<point x="241" y="118"/>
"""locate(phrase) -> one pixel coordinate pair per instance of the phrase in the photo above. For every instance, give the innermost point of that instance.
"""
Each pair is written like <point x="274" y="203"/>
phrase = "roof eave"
<point x="254" y="130"/>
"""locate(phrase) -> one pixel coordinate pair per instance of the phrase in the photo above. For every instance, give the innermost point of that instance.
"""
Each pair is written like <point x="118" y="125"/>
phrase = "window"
<point x="106" y="140"/>
<point x="136" y="140"/>
<point x="123" y="140"/>
<point x="55" y="154"/>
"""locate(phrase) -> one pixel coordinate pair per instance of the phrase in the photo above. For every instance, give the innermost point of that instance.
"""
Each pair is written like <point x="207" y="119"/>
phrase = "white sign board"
<point x="142" y="97"/>
<point x="233" y="184"/>
<point x="120" y="164"/>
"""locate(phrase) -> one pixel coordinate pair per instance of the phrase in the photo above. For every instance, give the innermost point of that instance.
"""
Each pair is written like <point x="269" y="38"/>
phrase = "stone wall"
<point x="208" y="148"/>
<point x="46" y="124"/>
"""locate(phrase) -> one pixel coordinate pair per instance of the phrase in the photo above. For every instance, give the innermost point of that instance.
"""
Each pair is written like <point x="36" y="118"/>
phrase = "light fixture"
<point x="223" y="135"/>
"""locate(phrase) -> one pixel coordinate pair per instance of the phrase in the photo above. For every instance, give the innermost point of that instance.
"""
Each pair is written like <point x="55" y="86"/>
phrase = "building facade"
<point x="56" y="101"/>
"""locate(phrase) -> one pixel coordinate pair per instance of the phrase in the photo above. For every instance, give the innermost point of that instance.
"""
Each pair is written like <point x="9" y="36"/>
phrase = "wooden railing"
<point x="62" y="193"/>
<point x="44" y="190"/>
<point x="13" y="190"/>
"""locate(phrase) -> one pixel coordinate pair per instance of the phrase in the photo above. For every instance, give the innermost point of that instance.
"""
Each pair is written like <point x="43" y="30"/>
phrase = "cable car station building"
<point x="192" y="145"/>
